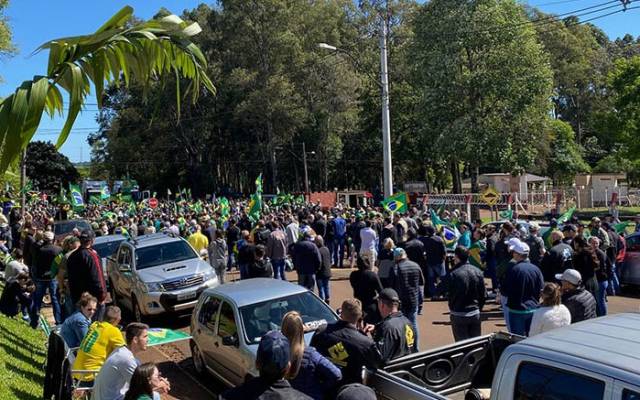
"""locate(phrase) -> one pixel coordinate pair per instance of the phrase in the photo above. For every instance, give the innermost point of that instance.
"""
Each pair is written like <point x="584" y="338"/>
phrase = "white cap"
<point x="570" y="275"/>
<point x="48" y="235"/>
<point x="518" y="246"/>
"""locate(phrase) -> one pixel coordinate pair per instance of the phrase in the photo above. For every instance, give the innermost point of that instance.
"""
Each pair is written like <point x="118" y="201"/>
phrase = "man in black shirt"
<point x="233" y="235"/>
<point x="41" y="274"/>
<point x="346" y="345"/>
<point x="407" y="280"/>
<point x="84" y="270"/>
<point x="435" y="255"/>
<point x="394" y="334"/>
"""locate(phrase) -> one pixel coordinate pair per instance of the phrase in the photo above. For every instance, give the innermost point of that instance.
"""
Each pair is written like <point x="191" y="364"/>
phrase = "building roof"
<point x="528" y="177"/>
<point x="611" y="341"/>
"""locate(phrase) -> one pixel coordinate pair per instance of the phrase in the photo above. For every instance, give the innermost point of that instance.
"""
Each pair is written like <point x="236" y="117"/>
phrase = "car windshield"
<point x="107" y="249"/>
<point x="63" y="228"/>
<point x="261" y="318"/>
<point x="164" y="253"/>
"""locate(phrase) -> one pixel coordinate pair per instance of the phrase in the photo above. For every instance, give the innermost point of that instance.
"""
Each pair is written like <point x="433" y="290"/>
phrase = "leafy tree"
<point x="624" y="82"/>
<point x="47" y="168"/>
<point x="120" y="50"/>
<point x="7" y="47"/>
<point x="565" y="158"/>
<point x="484" y="84"/>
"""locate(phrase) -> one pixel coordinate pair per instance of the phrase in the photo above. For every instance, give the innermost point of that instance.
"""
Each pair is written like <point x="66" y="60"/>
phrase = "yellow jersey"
<point x="198" y="241"/>
<point x="101" y="339"/>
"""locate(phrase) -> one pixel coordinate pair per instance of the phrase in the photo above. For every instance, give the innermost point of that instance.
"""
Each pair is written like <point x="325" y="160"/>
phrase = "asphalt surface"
<point x="175" y="361"/>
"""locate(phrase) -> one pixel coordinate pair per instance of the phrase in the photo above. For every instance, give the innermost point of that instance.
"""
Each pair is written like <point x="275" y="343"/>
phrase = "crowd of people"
<point x="400" y="260"/>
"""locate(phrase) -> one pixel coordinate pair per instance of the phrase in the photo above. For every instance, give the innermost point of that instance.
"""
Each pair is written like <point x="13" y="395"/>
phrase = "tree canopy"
<point x="47" y="168"/>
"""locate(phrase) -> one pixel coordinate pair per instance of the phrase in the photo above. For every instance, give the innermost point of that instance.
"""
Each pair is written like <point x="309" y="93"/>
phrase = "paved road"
<point x="434" y="328"/>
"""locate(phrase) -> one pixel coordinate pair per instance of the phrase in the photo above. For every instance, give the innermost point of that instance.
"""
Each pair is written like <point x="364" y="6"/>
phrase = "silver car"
<point x="158" y="273"/>
<point x="229" y="320"/>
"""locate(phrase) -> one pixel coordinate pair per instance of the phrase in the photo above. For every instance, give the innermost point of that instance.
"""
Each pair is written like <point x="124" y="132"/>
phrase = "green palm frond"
<point x="119" y="51"/>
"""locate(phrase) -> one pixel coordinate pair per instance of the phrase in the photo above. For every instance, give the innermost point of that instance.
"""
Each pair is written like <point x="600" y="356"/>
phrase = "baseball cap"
<point x="48" y="235"/>
<point x="570" y="275"/>
<point x="595" y="219"/>
<point x="87" y="234"/>
<point x="356" y="391"/>
<point x="399" y="252"/>
<point x="569" y="227"/>
<point x="273" y="352"/>
<point x="389" y="294"/>
<point x="518" y="246"/>
<point x="534" y="226"/>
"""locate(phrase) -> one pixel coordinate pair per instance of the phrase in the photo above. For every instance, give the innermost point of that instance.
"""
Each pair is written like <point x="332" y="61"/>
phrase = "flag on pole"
<point x="396" y="203"/>
<point x="450" y="233"/>
<point x="224" y="208"/>
<point x="566" y="216"/>
<point x="259" y="184"/>
<point x="255" y="207"/>
<point x="76" y="196"/>
<point x="622" y="227"/>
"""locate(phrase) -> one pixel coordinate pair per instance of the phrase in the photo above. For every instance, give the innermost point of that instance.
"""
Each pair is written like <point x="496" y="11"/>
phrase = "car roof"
<point x="256" y="290"/>
<point x="612" y="340"/>
<point x="70" y="221"/>
<point x="108" y="238"/>
<point x="153" y="239"/>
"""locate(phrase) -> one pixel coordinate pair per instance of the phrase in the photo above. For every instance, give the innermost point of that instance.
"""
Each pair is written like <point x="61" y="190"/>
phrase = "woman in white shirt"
<point x="551" y="314"/>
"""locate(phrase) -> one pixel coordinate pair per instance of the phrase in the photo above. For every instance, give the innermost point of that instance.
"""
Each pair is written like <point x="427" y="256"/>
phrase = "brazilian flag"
<point x="566" y="216"/>
<point x="506" y="214"/>
<point x="396" y="203"/>
<point x="225" y="210"/>
<point x="255" y="207"/>
<point x="477" y="252"/>
<point x="76" y="196"/>
<point x="259" y="184"/>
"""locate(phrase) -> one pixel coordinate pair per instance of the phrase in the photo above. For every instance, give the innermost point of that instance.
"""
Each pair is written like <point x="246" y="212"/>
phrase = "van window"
<point x="539" y="382"/>
<point x="630" y="395"/>
<point x="227" y="322"/>
<point x="208" y="311"/>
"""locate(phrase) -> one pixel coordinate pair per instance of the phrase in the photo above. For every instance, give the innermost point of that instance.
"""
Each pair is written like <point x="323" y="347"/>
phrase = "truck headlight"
<point x="207" y="276"/>
<point x="154" y="287"/>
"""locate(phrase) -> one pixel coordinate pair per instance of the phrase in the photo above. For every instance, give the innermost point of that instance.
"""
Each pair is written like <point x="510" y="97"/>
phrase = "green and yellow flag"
<point x="259" y="184"/>
<point x="255" y="207"/>
<point x="225" y="209"/>
<point x="566" y="216"/>
<point x="76" y="196"/>
<point x="396" y="203"/>
<point x="476" y="253"/>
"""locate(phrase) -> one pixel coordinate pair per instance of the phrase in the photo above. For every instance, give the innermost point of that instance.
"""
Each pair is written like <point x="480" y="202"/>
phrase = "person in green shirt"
<point x="146" y="382"/>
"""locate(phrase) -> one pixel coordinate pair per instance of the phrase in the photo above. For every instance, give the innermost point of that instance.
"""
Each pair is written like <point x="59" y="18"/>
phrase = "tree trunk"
<point x="475" y="188"/>
<point x="455" y="174"/>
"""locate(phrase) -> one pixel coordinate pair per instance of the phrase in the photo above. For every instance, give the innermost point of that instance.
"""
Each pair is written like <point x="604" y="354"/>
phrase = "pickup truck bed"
<point x="442" y="373"/>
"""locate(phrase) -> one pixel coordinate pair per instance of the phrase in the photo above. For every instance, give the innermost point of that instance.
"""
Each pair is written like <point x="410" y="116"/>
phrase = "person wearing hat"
<point x="41" y="274"/>
<point x="84" y="271"/>
<point x="522" y="286"/>
<point x="393" y="335"/>
<point x="558" y="258"/>
<point x="407" y="282"/>
<point x="466" y="296"/>
<point x="536" y="244"/>
<point x="569" y="231"/>
<point x="600" y="232"/>
<point x="581" y="303"/>
<point x="273" y="363"/>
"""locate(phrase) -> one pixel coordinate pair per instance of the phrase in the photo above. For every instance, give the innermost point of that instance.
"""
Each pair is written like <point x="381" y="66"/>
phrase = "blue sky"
<point x="36" y="21"/>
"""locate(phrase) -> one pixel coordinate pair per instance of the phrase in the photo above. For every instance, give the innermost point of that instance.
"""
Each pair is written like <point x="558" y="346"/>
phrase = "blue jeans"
<point x="331" y="246"/>
<point x="505" y="311"/>
<point x="435" y="271"/>
<point x="412" y="315"/>
<point x="231" y="260"/>
<point x="244" y="271"/>
<point x="323" y="288"/>
<point x="307" y="280"/>
<point x="338" y="251"/>
<point x="278" y="269"/>
<point x="41" y="289"/>
<point x="520" y="323"/>
<point x="614" y="282"/>
<point x="601" y="299"/>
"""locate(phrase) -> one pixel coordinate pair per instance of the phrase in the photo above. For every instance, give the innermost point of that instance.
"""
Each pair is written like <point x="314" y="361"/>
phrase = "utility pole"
<point x="306" y="173"/>
<point x="386" y="126"/>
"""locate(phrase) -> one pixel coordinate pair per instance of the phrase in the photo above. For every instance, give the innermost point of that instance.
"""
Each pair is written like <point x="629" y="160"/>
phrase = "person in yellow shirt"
<point x="102" y="338"/>
<point x="198" y="240"/>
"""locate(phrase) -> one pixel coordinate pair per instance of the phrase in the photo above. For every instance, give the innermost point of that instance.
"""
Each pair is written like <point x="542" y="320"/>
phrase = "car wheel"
<point x="137" y="312"/>
<point x="198" y="362"/>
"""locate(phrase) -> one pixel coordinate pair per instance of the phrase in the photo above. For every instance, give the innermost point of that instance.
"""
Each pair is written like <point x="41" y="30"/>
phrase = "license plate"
<point x="186" y="296"/>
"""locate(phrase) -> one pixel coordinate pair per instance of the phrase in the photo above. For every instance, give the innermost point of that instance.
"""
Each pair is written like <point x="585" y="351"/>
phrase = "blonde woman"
<point x="551" y="313"/>
<point x="310" y="372"/>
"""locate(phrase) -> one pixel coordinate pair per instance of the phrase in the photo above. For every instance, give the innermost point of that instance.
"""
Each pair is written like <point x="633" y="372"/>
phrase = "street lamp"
<point x="384" y="85"/>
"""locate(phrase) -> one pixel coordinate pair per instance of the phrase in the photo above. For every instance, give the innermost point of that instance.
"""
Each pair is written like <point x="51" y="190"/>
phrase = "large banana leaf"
<point x="119" y="51"/>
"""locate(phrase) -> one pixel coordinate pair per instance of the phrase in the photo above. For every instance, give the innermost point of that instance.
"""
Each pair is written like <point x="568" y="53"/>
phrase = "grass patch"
<point x="22" y="356"/>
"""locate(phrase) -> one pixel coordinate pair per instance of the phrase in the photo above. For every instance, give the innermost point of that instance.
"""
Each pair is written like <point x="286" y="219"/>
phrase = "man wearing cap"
<point x="84" y="270"/>
<point x="272" y="362"/>
<point x="407" y="279"/>
<point x="466" y="296"/>
<point x="41" y="274"/>
<point x="523" y="283"/>
<point x="569" y="231"/>
<point x="393" y="335"/>
<point x="536" y="244"/>
<point x="581" y="303"/>
<point x="346" y="344"/>
<point x="557" y="259"/>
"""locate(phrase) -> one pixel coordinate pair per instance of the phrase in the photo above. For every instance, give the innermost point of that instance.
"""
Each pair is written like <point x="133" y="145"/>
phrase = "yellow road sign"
<point x="490" y="196"/>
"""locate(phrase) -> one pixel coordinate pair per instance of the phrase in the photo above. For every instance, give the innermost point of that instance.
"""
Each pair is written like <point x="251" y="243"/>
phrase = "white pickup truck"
<point x="597" y="359"/>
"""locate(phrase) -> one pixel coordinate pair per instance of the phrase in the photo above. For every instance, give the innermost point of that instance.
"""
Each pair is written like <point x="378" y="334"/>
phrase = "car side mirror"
<point x="125" y="268"/>
<point x="231" y="340"/>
